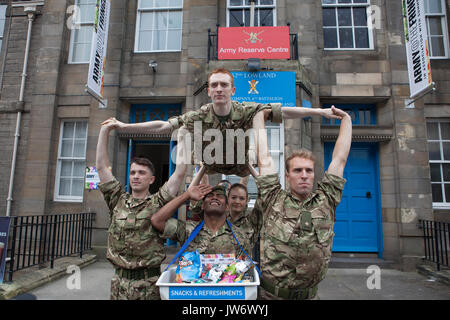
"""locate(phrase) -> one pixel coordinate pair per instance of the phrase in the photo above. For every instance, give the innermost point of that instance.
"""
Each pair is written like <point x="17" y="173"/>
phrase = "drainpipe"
<point x="30" y="11"/>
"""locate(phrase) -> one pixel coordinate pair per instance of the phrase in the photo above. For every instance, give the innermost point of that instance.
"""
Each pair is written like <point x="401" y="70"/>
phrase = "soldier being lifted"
<point x="298" y="224"/>
<point x="223" y="114"/>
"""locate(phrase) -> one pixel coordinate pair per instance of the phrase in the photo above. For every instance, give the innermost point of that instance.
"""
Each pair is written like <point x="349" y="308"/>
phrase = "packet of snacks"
<point x="189" y="267"/>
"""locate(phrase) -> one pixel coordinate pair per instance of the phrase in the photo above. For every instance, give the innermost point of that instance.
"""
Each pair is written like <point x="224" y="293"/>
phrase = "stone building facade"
<point x="367" y="77"/>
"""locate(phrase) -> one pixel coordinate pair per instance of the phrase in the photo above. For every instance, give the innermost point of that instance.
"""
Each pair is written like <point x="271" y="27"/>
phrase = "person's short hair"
<point x="302" y="153"/>
<point x="144" y="162"/>
<point x="221" y="70"/>
<point x="240" y="186"/>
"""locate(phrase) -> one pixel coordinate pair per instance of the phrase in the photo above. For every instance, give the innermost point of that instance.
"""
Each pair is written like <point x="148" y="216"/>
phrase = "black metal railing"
<point x="35" y="240"/>
<point x="213" y="45"/>
<point x="436" y="239"/>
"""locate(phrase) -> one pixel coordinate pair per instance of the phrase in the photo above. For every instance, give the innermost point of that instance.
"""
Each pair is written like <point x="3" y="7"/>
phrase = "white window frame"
<point x="444" y="31"/>
<point x="138" y="23"/>
<point x="72" y="36"/>
<point x="56" y="196"/>
<point x="440" y="205"/>
<point x="369" y="25"/>
<point x="273" y="153"/>
<point x="244" y="7"/>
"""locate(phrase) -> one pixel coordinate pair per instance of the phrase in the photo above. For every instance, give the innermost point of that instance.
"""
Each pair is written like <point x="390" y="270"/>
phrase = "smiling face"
<point x="140" y="178"/>
<point x="237" y="200"/>
<point x="220" y="88"/>
<point x="215" y="203"/>
<point x="300" y="177"/>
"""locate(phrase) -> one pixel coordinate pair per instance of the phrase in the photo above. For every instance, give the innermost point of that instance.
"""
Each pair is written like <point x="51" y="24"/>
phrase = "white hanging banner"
<point x="417" y="54"/>
<point x="99" y="48"/>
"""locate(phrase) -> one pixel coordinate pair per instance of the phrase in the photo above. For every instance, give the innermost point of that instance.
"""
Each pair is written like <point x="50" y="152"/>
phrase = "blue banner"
<point x="4" y="234"/>
<point x="265" y="87"/>
<point x="207" y="293"/>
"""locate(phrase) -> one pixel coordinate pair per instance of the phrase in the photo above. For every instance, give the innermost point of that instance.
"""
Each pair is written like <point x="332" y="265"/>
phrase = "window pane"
<point x="236" y="18"/>
<point x="359" y="1"/>
<point x="81" y="130"/>
<point x="265" y="2"/>
<point x="445" y="130"/>
<point x="87" y="13"/>
<point x="175" y="3"/>
<point x="175" y="20"/>
<point x="66" y="148"/>
<point x="81" y="52"/>
<point x="66" y="168"/>
<point x="435" y="26"/>
<point x="362" y="37"/>
<point x="329" y="17"/>
<point x="247" y="18"/>
<point x="446" y="172"/>
<point x="360" y="17"/>
<point x="64" y="187"/>
<point x="432" y="131"/>
<point x="146" y="22"/>
<point x="161" y="3"/>
<point x="273" y="139"/>
<point x="78" y="169"/>
<point x="433" y="6"/>
<point x="433" y="150"/>
<point x="161" y="20"/>
<point x="345" y="38"/>
<point x="174" y="40"/>
<point x="236" y="2"/>
<point x="68" y="129"/>
<point x="330" y="38"/>
<point x="446" y="147"/>
<point x="436" y="190"/>
<point x="328" y="1"/>
<point x="344" y="1"/>
<point x="344" y="16"/>
<point x="437" y="47"/>
<point x="77" y="187"/>
<point x="79" y="148"/>
<point x="265" y="17"/>
<point x="447" y="192"/>
<point x="145" y="41"/>
<point x="159" y="41"/>
<point x="146" y="4"/>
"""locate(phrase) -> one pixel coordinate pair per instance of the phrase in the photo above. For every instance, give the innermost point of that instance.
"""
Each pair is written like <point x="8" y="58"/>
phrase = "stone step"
<point x="359" y="262"/>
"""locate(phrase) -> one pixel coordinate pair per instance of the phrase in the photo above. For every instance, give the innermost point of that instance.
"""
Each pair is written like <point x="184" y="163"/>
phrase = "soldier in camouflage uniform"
<point x="215" y="236"/>
<point x="135" y="248"/>
<point x="223" y="114"/>
<point x="298" y="224"/>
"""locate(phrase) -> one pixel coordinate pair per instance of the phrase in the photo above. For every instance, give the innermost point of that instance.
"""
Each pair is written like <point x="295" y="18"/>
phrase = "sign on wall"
<point x="417" y="54"/>
<point x="99" y="48"/>
<point x="92" y="178"/>
<point x="265" y="87"/>
<point x="254" y="42"/>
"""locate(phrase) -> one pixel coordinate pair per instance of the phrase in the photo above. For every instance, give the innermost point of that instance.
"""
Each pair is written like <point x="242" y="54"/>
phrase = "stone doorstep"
<point x="29" y="279"/>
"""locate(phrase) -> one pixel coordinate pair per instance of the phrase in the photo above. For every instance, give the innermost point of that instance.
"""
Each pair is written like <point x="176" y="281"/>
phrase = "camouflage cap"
<point x="220" y="190"/>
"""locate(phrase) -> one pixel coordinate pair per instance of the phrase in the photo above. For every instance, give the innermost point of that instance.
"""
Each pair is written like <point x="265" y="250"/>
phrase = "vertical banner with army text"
<point x="417" y="53"/>
<point x="4" y="235"/>
<point x="98" y="50"/>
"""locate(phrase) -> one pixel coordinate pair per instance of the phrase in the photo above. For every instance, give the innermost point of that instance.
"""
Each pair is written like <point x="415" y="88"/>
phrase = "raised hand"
<point x="333" y="113"/>
<point x="112" y="124"/>
<point x="198" y="192"/>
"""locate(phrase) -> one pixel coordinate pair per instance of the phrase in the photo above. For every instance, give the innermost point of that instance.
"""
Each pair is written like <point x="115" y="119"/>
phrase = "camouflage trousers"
<point x="142" y="289"/>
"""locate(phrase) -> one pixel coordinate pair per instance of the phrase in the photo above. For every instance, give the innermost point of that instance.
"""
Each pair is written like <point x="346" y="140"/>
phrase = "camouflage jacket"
<point x="250" y="223"/>
<point x="298" y="234"/>
<point x="205" y="241"/>
<point x="133" y="243"/>
<point x="241" y="117"/>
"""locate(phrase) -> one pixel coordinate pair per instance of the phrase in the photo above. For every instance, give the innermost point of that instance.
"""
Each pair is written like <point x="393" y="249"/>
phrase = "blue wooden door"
<point x="358" y="218"/>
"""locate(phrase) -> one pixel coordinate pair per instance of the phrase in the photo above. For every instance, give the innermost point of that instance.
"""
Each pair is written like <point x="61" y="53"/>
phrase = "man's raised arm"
<point x="101" y="158"/>
<point x="265" y="161"/>
<point x="343" y="144"/>
<point x="156" y="126"/>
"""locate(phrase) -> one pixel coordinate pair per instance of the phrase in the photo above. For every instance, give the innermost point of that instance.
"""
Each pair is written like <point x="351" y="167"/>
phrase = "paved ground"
<point x="342" y="284"/>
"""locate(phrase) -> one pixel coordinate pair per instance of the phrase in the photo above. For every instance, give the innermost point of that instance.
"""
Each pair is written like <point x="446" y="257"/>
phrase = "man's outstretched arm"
<point x="156" y="126"/>
<point x="265" y="161"/>
<point x="343" y="144"/>
<point x="301" y="112"/>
